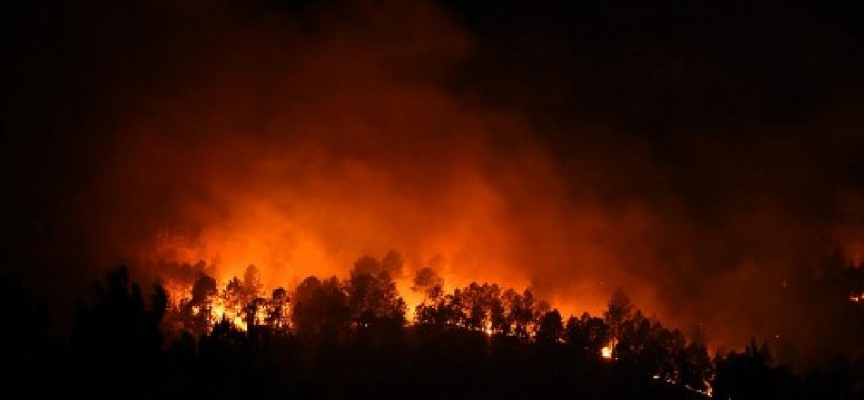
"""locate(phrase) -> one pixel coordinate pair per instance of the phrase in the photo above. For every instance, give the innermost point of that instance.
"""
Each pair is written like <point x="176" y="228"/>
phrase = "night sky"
<point x="704" y="156"/>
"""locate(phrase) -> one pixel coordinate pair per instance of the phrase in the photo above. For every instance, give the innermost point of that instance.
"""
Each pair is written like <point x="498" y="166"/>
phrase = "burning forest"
<point x="553" y="197"/>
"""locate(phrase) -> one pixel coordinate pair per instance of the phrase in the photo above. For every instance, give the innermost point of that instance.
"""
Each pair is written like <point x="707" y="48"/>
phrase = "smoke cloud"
<point x="299" y="137"/>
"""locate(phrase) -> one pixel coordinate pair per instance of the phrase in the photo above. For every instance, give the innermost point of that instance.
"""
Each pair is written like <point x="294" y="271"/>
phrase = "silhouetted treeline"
<point x="356" y="338"/>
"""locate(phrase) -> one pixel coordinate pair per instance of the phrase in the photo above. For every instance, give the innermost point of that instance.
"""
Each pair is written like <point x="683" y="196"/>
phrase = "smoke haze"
<point x="298" y="137"/>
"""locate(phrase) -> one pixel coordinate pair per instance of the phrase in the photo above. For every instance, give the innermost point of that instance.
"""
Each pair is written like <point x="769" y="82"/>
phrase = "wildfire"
<point x="606" y="352"/>
<point x="219" y="311"/>
<point x="220" y="306"/>
<point x="707" y="392"/>
<point x="487" y="327"/>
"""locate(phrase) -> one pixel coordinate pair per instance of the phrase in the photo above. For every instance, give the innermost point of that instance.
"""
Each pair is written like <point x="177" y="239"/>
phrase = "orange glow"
<point x="219" y="312"/>
<point x="331" y="174"/>
<point x="606" y="352"/>
<point x="302" y="167"/>
<point x="487" y="327"/>
<point x="412" y="298"/>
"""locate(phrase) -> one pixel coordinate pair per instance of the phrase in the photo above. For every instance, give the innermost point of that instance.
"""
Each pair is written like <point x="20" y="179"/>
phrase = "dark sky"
<point x="699" y="154"/>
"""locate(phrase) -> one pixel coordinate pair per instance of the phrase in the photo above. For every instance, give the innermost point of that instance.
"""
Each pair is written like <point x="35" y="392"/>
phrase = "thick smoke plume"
<point x="300" y="138"/>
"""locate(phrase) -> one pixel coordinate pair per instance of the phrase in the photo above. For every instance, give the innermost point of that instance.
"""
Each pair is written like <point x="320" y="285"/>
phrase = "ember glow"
<point x="606" y="352"/>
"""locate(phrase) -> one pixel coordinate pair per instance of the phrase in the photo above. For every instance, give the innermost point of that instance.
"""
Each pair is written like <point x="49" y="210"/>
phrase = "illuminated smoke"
<point x="349" y="144"/>
<point x="300" y="141"/>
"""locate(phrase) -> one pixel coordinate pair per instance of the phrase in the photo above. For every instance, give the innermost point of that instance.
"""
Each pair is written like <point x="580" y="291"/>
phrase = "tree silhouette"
<point x="483" y="308"/>
<point x="442" y="311"/>
<point x="427" y="281"/>
<point x="522" y="312"/>
<point x="196" y="313"/>
<point x="618" y="311"/>
<point x="587" y="335"/>
<point x="333" y="338"/>
<point x="374" y="299"/>
<point x="234" y="296"/>
<point x="393" y="263"/>
<point x="550" y="330"/>
<point x="117" y="338"/>
<point x="321" y="308"/>
<point x="277" y="309"/>
<point x="694" y="367"/>
<point x="366" y="265"/>
<point x="747" y="375"/>
<point x="252" y="285"/>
